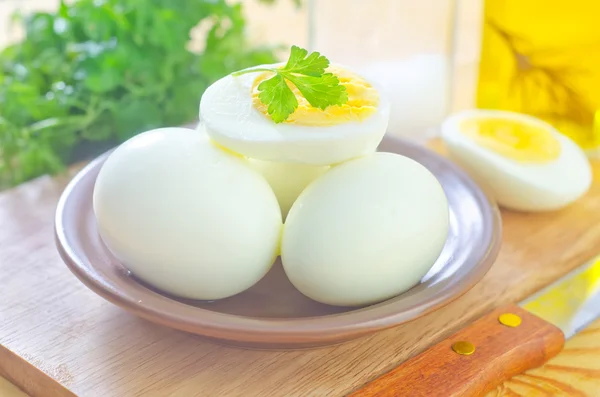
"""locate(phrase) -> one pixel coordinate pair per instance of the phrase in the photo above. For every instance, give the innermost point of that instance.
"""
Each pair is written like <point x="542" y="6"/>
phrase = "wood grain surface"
<point x="575" y="372"/>
<point x="50" y="321"/>
<point x="500" y="352"/>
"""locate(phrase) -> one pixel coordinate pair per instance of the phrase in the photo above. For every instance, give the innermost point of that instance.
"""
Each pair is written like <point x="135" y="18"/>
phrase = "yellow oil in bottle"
<point x="542" y="57"/>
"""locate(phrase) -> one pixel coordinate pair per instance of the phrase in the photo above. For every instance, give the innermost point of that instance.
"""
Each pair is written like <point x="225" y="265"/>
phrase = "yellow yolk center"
<point x="362" y="102"/>
<point x="513" y="139"/>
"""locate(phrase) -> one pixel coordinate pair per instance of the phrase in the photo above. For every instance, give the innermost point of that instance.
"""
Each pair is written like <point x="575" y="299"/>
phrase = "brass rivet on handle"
<point x="510" y="320"/>
<point x="463" y="347"/>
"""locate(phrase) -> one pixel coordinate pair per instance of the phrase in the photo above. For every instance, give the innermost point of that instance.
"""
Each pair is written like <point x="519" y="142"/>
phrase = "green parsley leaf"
<point x="275" y="93"/>
<point x="313" y="65"/>
<point x="322" y="91"/>
<point x="305" y="71"/>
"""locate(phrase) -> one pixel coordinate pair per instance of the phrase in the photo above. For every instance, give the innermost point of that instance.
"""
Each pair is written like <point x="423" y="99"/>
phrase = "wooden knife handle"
<point x="501" y="352"/>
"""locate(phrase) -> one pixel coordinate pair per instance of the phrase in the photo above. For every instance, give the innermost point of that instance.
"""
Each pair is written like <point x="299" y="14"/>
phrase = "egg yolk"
<point x="513" y="139"/>
<point x="362" y="102"/>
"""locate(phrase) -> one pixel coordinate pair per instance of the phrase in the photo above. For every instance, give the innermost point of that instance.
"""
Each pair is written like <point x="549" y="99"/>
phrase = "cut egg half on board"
<point x="524" y="162"/>
<point x="235" y="118"/>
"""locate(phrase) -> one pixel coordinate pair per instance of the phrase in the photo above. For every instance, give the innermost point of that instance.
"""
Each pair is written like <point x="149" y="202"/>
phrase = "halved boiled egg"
<point x="235" y="118"/>
<point x="524" y="162"/>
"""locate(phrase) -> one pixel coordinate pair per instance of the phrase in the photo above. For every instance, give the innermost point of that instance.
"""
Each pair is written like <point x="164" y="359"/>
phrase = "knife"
<point x="503" y="343"/>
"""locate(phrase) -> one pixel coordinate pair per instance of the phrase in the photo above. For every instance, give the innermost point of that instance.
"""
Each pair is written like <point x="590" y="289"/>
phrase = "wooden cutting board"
<point x="60" y="339"/>
<point x="574" y="372"/>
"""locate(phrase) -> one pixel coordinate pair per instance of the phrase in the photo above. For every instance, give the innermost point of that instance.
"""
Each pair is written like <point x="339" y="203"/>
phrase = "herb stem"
<point x="252" y="70"/>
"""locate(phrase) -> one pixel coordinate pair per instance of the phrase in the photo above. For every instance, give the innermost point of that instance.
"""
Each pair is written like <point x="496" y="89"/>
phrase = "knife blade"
<point x="501" y="344"/>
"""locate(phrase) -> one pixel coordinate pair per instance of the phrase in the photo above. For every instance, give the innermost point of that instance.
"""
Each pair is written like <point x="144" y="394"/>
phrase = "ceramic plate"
<point x="273" y="314"/>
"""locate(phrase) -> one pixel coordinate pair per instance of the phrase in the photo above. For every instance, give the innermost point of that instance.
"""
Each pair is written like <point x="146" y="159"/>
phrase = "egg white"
<point x="518" y="185"/>
<point x="230" y="119"/>
<point x="287" y="180"/>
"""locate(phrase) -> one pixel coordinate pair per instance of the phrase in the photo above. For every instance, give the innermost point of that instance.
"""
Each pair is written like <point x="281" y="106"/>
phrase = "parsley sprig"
<point x="307" y="73"/>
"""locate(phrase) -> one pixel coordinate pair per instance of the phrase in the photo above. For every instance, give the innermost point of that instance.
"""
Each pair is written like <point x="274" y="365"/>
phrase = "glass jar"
<point x="405" y="46"/>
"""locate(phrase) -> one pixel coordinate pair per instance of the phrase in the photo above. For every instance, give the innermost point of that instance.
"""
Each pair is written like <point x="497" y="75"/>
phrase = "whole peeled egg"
<point x="235" y="118"/>
<point x="524" y="162"/>
<point x="365" y="231"/>
<point x="186" y="217"/>
<point x="287" y="180"/>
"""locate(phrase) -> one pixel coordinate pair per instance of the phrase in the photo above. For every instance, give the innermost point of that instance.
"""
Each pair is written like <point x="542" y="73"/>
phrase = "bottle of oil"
<point x="542" y="57"/>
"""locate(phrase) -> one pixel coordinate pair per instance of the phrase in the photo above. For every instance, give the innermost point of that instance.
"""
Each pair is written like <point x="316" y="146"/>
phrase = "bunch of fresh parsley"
<point x="97" y="72"/>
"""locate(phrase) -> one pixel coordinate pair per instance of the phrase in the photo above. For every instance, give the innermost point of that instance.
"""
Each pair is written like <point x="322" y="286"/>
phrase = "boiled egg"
<point x="185" y="216"/>
<point x="365" y="231"/>
<point x="524" y="162"/>
<point x="287" y="180"/>
<point x="235" y="118"/>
